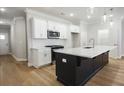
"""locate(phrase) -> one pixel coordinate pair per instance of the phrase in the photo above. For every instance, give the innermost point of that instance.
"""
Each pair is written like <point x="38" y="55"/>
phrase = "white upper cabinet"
<point x="53" y="26"/>
<point x="39" y="28"/>
<point x="59" y="27"/>
<point x="74" y="29"/>
<point x="63" y="31"/>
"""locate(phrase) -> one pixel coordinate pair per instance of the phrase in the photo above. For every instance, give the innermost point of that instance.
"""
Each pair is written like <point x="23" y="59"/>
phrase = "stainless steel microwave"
<point x="53" y="34"/>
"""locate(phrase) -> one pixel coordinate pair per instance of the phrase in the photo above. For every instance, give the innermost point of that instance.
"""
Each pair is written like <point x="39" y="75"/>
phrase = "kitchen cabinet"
<point x="84" y="69"/>
<point x="58" y="27"/>
<point x="40" y="57"/>
<point x="63" y="31"/>
<point x="97" y="62"/>
<point x="74" y="29"/>
<point x="105" y="58"/>
<point x="65" y="68"/>
<point x="39" y="28"/>
<point x="53" y="26"/>
<point x="76" y="70"/>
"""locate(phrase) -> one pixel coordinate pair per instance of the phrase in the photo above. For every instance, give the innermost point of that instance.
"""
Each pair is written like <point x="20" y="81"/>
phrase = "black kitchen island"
<point x="77" y="70"/>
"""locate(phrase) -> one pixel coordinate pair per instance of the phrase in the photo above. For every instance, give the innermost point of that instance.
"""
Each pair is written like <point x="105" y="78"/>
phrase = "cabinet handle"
<point x="64" y="60"/>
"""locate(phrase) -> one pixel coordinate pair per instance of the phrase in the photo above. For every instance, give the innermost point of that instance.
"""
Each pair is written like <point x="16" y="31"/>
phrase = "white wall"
<point x="122" y="37"/>
<point x="114" y="35"/>
<point x="18" y="39"/>
<point x="83" y="33"/>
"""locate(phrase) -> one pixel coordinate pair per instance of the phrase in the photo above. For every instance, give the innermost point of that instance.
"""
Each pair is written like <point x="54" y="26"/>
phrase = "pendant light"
<point x="91" y="10"/>
<point x="105" y="16"/>
<point x="111" y="12"/>
<point x="111" y="17"/>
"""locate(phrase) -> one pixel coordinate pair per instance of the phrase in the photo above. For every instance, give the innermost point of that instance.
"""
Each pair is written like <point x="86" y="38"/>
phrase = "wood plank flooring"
<point x="17" y="73"/>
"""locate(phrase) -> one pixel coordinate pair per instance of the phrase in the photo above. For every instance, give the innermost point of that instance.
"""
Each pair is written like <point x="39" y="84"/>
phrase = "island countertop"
<point x="83" y="52"/>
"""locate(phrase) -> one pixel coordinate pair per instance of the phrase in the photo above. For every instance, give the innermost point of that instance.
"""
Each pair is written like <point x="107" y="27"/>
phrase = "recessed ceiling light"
<point x="2" y="9"/>
<point x="1" y="22"/>
<point x="62" y="13"/>
<point x="88" y="16"/>
<point x="111" y="15"/>
<point x="71" y="14"/>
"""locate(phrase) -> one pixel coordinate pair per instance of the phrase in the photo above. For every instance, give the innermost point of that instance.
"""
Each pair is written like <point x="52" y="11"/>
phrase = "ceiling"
<point x="12" y="12"/>
<point x="80" y="13"/>
<point x="4" y="27"/>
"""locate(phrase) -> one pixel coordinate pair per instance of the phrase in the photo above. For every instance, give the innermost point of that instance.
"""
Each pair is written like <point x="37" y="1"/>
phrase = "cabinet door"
<point x="52" y="26"/>
<point x="40" y="57"/>
<point x="47" y="56"/>
<point x="34" y="58"/>
<point x="97" y="62"/>
<point x="84" y="69"/>
<point x="44" y="56"/>
<point x="65" y="68"/>
<point x="63" y="31"/>
<point x="105" y="58"/>
<point x="39" y="28"/>
<point x="74" y="29"/>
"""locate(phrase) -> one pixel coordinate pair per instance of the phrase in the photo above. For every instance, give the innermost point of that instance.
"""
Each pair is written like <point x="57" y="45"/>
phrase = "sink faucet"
<point x="93" y="40"/>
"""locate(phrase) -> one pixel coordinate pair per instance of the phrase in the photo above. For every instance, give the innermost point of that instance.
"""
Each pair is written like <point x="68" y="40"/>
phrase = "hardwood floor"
<point x="17" y="73"/>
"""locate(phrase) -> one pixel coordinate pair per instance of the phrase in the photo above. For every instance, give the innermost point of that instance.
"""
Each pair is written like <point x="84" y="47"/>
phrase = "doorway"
<point x="4" y="40"/>
<point x="75" y="40"/>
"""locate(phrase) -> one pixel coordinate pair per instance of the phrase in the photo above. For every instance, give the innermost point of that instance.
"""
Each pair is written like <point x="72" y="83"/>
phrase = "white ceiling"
<point x="12" y="12"/>
<point x="4" y="27"/>
<point x="80" y="13"/>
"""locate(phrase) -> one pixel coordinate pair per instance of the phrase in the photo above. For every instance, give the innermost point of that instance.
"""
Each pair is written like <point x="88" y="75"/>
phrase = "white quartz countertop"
<point x="83" y="52"/>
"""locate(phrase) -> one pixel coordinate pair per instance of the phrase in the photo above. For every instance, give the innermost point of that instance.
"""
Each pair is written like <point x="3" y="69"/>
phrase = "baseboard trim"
<point x="122" y="57"/>
<point x="18" y="59"/>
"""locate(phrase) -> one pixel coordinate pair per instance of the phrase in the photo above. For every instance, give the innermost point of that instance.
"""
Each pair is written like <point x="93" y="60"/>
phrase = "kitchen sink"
<point x="88" y="47"/>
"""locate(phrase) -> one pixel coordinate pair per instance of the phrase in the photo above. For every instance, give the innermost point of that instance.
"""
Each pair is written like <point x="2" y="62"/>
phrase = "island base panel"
<point x="75" y="70"/>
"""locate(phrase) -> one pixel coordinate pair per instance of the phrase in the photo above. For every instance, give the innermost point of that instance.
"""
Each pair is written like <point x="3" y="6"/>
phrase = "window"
<point x="2" y="37"/>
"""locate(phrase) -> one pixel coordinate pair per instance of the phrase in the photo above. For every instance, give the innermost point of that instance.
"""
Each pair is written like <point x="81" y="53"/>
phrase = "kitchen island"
<point x="75" y="66"/>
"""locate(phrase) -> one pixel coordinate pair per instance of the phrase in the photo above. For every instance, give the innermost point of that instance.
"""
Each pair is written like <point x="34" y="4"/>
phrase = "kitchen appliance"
<point x="53" y="34"/>
<point x="52" y="50"/>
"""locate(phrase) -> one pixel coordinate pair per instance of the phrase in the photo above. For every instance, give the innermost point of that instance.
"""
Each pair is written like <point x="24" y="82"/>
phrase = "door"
<point x="75" y="40"/>
<point x="4" y="43"/>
